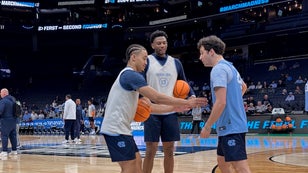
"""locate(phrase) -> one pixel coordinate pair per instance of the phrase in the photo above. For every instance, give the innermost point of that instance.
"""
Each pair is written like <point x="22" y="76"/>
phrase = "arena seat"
<point x="278" y="111"/>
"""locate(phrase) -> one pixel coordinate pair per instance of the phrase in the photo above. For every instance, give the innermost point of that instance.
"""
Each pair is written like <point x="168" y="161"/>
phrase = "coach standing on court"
<point x="8" y="122"/>
<point x="69" y="117"/>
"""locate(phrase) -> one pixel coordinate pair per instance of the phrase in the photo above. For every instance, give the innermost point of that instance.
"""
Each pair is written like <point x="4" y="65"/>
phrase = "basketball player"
<point x="91" y="116"/>
<point x="121" y="107"/>
<point x="161" y="73"/>
<point x="228" y="111"/>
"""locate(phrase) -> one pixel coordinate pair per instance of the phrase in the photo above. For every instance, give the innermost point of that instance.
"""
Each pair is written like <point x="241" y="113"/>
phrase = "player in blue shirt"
<point x="228" y="112"/>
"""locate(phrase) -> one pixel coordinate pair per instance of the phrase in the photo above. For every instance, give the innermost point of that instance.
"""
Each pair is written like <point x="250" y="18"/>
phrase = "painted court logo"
<point x="87" y="150"/>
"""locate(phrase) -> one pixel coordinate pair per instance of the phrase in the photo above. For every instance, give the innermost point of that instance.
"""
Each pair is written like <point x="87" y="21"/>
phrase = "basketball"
<point x="181" y="89"/>
<point x="143" y="111"/>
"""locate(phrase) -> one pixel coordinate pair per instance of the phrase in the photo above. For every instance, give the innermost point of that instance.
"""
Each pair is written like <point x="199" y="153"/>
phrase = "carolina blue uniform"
<point x="232" y="124"/>
<point x="233" y="119"/>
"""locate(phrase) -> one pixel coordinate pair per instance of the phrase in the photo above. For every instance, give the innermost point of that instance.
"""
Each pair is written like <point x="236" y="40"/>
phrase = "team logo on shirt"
<point x="163" y="82"/>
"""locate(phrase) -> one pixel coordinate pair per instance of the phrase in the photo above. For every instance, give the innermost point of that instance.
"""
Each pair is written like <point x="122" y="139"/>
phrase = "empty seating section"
<point x="299" y="20"/>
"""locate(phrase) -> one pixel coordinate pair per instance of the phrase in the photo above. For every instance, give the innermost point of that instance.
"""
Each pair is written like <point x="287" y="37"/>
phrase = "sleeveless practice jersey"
<point x="162" y="77"/>
<point x="233" y="118"/>
<point x="120" y="108"/>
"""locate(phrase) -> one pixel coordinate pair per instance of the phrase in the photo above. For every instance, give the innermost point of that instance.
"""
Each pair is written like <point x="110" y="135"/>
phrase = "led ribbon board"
<point x="19" y="4"/>
<point x="71" y="27"/>
<point x="242" y="5"/>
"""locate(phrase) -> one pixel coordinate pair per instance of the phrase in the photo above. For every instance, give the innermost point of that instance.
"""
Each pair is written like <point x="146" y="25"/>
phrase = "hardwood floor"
<point x="266" y="154"/>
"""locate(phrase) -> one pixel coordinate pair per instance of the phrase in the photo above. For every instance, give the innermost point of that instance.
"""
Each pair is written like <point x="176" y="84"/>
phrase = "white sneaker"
<point x="13" y="153"/>
<point x="79" y="140"/>
<point x="65" y="142"/>
<point x="92" y="132"/>
<point x="3" y="154"/>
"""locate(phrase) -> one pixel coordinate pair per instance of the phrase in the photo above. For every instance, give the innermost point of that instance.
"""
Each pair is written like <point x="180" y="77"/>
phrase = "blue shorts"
<point x="121" y="148"/>
<point x="232" y="147"/>
<point x="164" y="126"/>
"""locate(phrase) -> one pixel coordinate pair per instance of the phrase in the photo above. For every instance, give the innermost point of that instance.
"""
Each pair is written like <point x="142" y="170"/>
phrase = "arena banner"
<point x="256" y="124"/>
<point x="57" y="122"/>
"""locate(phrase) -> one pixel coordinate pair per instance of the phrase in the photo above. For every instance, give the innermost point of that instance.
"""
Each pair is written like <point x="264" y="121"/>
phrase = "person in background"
<point x="284" y="92"/>
<point x="17" y="126"/>
<point x="290" y="97"/>
<point x="266" y="100"/>
<point x="269" y="108"/>
<point x="91" y="116"/>
<point x="161" y="73"/>
<point x="228" y="111"/>
<point x="298" y="90"/>
<point x="69" y="118"/>
<point x="79" y="120"/>
<point x="121" y="107"/>
<point x="251" y="109"/>
<point x="259" y="85"/>
<point x="26" y="117"/>
<point x="197" y="119"/>
<point x="260" y="108"/>
<point x="8" y="123"/>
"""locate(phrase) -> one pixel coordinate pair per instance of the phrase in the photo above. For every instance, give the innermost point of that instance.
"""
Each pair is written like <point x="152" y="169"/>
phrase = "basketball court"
<point x="46" y="153"/>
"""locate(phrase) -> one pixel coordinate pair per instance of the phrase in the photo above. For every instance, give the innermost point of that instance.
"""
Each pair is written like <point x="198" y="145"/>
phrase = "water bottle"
<point x="306" y="97"/>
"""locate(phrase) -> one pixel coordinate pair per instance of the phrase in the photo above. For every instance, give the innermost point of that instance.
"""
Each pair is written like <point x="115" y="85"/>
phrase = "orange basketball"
<point x="143" y="111"/>
<point x="181" y="89"/>
<point x="290" y="126"/>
